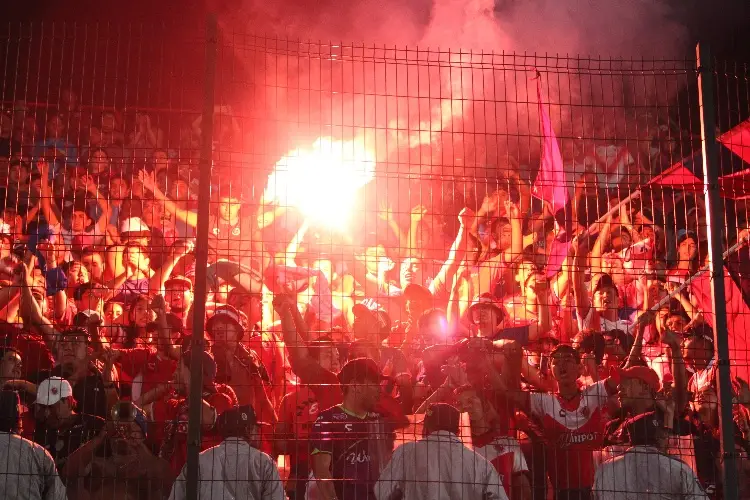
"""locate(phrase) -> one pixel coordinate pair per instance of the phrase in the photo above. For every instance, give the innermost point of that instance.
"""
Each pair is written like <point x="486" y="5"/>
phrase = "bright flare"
<point x="322" y="181"/>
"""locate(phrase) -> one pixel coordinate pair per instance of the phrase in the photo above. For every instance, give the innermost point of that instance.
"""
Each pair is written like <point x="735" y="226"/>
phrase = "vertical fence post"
<point x="201" y="261"/>
<point x="715" y="221"/>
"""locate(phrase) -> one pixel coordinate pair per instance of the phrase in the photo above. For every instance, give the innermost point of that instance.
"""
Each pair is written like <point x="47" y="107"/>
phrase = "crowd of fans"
<point x="507" y="376"/>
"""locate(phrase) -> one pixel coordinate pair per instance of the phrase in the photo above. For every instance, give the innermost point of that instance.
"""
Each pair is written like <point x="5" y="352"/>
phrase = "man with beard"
<point x="59" y="428"/>
<point x="237" y="365"/>
<point x="349" y="440"/>
<point x="75" y="366"/>
<point x="117" y="463"/>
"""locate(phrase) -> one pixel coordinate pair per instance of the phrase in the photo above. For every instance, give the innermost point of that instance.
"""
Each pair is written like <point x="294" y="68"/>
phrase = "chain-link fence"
<point x="251" y="267"/>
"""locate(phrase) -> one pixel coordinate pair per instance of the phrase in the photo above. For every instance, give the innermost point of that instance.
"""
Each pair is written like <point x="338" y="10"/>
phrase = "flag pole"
<point x="632" y="196"/>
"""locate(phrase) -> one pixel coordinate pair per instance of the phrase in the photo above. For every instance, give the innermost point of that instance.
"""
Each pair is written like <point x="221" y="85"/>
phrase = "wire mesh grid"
<point x="421" y="272"/>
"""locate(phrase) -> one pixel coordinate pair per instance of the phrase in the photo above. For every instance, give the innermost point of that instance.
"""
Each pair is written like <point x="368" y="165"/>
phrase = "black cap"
<point x="643" y="430"/>
<point x="379" y="316"/>
<point x="602" y="280"/>
<point x="360" y="370"/>
<point x="442" y="417"/>
<point x="237" y="421"/>
<point x="563" y="349"/>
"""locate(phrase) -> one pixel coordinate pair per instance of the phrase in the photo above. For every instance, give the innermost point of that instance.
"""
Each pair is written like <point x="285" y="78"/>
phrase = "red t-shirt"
<point x="152" y="368"/>
<point x="300" y="409"/>
<point x="169" y="434"/>
<point x="504" y="453"/>
<point x="573" y="431"/>
<point x="35" y="355"/>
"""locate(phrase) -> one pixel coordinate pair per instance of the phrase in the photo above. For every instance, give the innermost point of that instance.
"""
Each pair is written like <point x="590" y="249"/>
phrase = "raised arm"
<point x="581" y="295"/>
<point x="179" y="250"/>
<point x="293" y="247"/>
<point x="601" y="242"/>
<point x="188" y="217"/>
<point x="456" y="254"/>
<point x="45" y="200"/>
<point x="385" y="212"/>
<point x="93" y="189"/>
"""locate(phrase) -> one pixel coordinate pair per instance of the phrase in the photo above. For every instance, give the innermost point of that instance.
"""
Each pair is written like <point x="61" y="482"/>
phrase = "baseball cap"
<point x="602" y="280"/>
<point x="486" y="300"/>
<point x="684" y="234"/>
<point x="359" y="370"/>
<point x="442" y="417"/>
<point x="228" y="313"/>
<point x="52" y="390"/>
<point x="413" y="291"/>
<point x="134" y="225"/>
<point x="178" y="279"/>
<point x="237" y="420"/>
<point x="644" y="374"/>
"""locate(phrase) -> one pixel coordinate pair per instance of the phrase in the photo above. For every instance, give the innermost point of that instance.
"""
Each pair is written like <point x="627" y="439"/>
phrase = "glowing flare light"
<point x="322" y="181"/>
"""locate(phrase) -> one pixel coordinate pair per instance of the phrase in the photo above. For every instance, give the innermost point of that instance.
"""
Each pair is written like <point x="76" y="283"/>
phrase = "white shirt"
<point x="605" y="325"/>
<point x="233" y="470"/>
<point x="439" y="467"/>
<point x="644" y="473"/>
<point x="27" y="471"/>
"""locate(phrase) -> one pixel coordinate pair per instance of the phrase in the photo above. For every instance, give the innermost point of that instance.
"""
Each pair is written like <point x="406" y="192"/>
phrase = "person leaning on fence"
<point x="645" y="469"/>
<point x="439" y="466"/>
<point x="27" y="470"/>
<point x="236" y="468"/>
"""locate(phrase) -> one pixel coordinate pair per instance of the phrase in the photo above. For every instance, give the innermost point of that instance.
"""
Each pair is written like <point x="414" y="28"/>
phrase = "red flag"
<point x="737" y="140"/>
<point x="735" y="186"/>
<point x="550" y="181"/>
<point x="738" y="320"/>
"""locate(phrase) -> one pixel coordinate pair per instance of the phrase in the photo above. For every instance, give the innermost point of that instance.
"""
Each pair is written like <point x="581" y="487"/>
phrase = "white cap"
<point x="134" y="225"/>
<point x="53" y="390"/>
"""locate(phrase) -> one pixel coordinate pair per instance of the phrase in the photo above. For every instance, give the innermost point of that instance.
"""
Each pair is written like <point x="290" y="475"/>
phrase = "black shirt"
<point x="359" y="448"/>
<point x="88" y="392"/>
<point x="61" y="443"/>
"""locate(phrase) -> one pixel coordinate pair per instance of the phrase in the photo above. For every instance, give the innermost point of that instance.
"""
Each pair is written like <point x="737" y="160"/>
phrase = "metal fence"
<point x="222" y="168"/>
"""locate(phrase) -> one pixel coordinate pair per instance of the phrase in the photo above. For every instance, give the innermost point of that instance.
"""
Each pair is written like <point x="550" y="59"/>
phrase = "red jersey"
<point x="300" y="409"/>
<point x="270" y="349"/>
<point x="35" y="354"/>
<point x="573" y="430"/>
<point x="170" y="431"/>
<point x="146" y="368"/>
<point x="504" y="453"/>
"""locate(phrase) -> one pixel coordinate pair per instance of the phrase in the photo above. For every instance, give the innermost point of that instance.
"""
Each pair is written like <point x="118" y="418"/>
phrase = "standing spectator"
<point x="572" y="421"/>
<point x="439" y="466"/>
<point x="237" y="365"/>
<point x="235" y="468"/>
<point x="59" y="428"/>
<point x="78" y="369"/>
<point x="27" y="471"/>
<point x="646" y="470"/>
<point x="169" y="415"/>
<point x="350" y="441"/>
